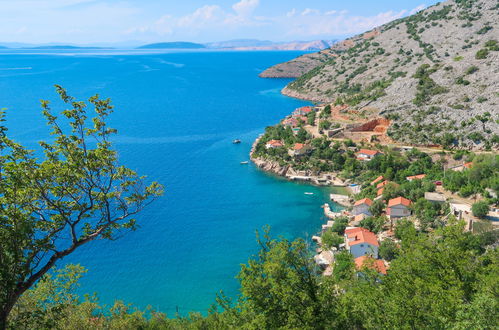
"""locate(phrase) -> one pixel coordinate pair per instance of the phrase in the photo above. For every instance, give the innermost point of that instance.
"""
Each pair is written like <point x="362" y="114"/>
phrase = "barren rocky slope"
<point x="435" y="74"/>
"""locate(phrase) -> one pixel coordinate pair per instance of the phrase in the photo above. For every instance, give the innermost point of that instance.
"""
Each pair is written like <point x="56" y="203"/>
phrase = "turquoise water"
<point x="176" y="114"/>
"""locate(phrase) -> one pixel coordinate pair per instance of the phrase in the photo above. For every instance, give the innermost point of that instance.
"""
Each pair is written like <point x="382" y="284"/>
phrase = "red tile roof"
<point x="368" y="152"/>
<point x="367" y="201"/>
<point x="380" y="192"/>
<point x="378" y="265"/>
<point x="468" y="165"/>
<point x="299" y="146"/>
<point x="382" y="184"/>
<point x="399" y="201"/>
<point x="275" y="143"/>
<point x="379" y="178"/>
<point x="416" y="177"/>
<point x="361" y="235"/>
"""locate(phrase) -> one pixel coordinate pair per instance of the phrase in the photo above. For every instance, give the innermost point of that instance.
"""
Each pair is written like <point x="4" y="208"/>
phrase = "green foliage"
<point x="344" y="266"/>
<point x="377" y="208"/>
<point x="405" y="230"/>
<point x="482" y="54"/>
<point x="426" y="86"/>
<point x="480" y="209"/>
<point x="374" y="224"/>
<point x="331" y="239"/>
<point x="76" y="193"/>
<point x="388" y="250"/>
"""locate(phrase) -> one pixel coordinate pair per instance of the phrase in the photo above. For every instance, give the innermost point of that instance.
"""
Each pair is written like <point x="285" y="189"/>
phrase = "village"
<point x="372" y="208"/>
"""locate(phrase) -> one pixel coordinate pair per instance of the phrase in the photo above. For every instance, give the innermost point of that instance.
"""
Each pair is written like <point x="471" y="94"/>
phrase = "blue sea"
<point x="177" y="114"/>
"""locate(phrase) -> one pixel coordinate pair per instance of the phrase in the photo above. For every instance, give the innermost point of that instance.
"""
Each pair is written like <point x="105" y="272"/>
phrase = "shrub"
<point x="480" y="209"/>
<point x="482" y="54"/>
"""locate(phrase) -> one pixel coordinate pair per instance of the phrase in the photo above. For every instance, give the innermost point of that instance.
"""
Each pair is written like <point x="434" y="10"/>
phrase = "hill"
<point x="269" y="45"/>
<point x="173" y="45"/>
<point x="62" y="47"/>
<point x="433" y="74"/>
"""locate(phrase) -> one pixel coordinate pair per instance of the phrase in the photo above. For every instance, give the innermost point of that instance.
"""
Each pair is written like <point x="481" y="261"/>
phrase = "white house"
<point x="398" y="208"/>
<point x="367" y="154"/>
<point x="361" y="242"/>
<point x="362" y="207"/>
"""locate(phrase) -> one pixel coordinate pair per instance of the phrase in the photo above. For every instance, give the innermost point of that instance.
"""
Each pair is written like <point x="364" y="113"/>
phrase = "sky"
<point x="115" y="21"/>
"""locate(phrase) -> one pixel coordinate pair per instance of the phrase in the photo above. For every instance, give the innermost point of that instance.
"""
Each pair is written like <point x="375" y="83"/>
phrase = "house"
<point x="382" y="184"/>
<point x="299" y="149"/>
<point x="398" y="208"/>
<point x="291" y="122"/>
<point x="367" y="154"/>
<point x="272" y="144"/>
<point x="360" y="242"/>
<point x="416" y="177"/>
<point x="376" y="264"/>
<point x="380" y="192"/>
<point x="378" y="179"/>
<point x="434" y="197"/>
<point x="362" y="207"/>
<point x="303" y="111"/>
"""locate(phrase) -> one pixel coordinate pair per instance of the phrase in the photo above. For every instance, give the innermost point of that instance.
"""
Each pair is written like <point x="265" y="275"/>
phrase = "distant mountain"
<point x="433" y="74"/>
<point x="173" y="45"/>
<point x="62" y="47"/>
<point x="239" y="43"/>
<point x="253" y="44"/>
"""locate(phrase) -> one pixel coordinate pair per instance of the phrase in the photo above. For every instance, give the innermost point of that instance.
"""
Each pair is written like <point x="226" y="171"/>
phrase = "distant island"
<point x="64" y="47"/>
<point x="173" y="45"/>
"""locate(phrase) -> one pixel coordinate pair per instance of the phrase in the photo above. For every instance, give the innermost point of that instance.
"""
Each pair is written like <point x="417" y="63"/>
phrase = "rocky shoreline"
<point x="287" y="172"/>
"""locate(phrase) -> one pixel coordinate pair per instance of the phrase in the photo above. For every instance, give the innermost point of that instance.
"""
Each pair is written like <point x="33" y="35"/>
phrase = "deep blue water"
<point x="176" y="114"/>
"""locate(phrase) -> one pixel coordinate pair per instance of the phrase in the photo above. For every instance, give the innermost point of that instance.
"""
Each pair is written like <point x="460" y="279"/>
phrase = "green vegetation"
<point x="482" y="54"/>
<point x="480" y="209"/>
<point x="445" y="279"/>
<point x="426" y="86"/>
<point x="76" y="194"/>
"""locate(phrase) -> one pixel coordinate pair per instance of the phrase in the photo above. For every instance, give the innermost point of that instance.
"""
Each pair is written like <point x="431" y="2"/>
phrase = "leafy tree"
<point x="77" y="194"/>
<point x="331" y="239"/>
<point x="480" y="209"/>
<point x="374" y="224"/>
<point x="377" y="208"/>
<point x="339" y="225"/>
<point x="344" y="267"/>
<point x="405" y="230"/>
<point x="388" y="250"/>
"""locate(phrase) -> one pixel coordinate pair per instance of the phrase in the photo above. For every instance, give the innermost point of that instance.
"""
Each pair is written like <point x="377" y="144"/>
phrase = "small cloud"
<point x="310" y="11"/>
<point x="245" y="8"/>
<point x="331" y="12"/>
<point x="291" y="13"/>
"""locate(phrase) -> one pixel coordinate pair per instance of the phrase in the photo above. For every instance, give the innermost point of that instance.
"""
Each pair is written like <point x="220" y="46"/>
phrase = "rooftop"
<point x="368" y="152"/>
<point x="399" y="201"/>
<point x="367" y="201"/>
<point x="360" y="235"/>
<point x="377" y="264"/>
<point x="416" y="177"/>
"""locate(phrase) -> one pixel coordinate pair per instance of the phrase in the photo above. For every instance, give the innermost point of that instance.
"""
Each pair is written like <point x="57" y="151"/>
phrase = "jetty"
<point x="328" y="213"/>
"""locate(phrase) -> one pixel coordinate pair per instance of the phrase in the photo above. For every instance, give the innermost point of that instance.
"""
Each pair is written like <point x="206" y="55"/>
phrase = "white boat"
<point x="309" y="193"/>
<point x="244" y="163"/>
<point x="236" y="141"/>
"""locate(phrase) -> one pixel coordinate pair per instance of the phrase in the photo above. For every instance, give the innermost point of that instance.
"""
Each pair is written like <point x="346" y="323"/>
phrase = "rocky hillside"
<point x="434" y="74"/>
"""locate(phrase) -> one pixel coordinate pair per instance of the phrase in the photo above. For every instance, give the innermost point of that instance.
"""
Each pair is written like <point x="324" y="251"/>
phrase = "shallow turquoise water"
<point x="176" y="114"/>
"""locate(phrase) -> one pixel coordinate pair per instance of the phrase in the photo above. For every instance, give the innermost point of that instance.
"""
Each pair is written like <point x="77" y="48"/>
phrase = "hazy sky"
<point x="88" y="21"/>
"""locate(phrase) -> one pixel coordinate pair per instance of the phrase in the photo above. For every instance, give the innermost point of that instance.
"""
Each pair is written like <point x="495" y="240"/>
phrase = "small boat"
<point x="236" y="141"/>
<point x="244" y="163"/>
<point x="309" y="193"/>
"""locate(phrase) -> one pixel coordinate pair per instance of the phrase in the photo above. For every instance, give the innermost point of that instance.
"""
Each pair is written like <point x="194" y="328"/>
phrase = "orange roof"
<point x="378" y="265"/>
<point x="275" y="143"/>
<point x="380" y="192"/>
<point x="379" y="178"/>
<point x="382" y="184"/>
<point x="361" y="235"/>
<point x="298" y="146"/>
<point x="468" y="165"/>
<point x="398" y="201"/>
<point x="363" y="201"/>
<point x="416" y="177"/>
<point x="368" y="152"/>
